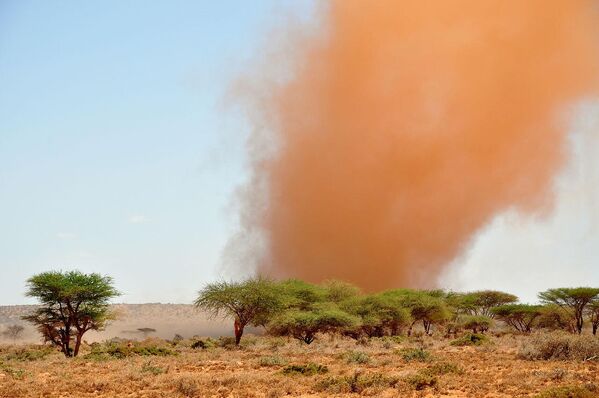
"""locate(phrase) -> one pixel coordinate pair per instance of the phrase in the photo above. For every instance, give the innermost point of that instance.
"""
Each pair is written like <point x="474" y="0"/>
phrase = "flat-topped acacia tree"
<point x="71" y="303"/>
<point x="252" y="301"/>
<point x="572" y="301"/>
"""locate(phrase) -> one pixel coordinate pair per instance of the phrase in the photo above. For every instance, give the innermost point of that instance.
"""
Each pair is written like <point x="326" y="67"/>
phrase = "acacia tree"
<point x="304" y="325"/>
<point x="521" y="317"/>
<point x="476" y="323"/>
<point x="571" y="300"/>
<point x="379" y="314"/>
<point x="146" y="331"/>
<point x="71" y="303"/>
<point x="13" y="332"/>
<point x="339" y="291"/>
<point x="429" y="307"/>
<point x="252" y="301"/>
<point x="480" y="303"/>
<point x="555" y="317"/>
<point x="303" y="296"/>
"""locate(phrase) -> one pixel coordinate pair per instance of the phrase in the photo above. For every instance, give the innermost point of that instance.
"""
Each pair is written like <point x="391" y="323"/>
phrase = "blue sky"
<point x="117" y="154"/>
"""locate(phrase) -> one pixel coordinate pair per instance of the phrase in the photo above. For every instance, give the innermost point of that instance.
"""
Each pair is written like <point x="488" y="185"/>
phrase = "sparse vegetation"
<point x="588" y="391"/>
<point x="422" y="380"/>
<point x="392" y="343"/>
<point x="415" y="354"/>
<point x="120" y="350"/>
<point x="356" y="383"/>
<point x="358" y="357"/>
<point x="561" y="346"/>
<point x="13" y="332"/>
<point x="272" y="361"/>
<point x="26" y="353"/>
<point x="305" y="370"/>
<point x="470" y="339"/>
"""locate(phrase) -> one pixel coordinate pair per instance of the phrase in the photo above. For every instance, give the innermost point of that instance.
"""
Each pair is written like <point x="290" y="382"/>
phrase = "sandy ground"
<point x="374" y="368"/>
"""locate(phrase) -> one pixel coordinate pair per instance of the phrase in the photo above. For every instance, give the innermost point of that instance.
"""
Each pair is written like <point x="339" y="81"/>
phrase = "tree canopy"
<point x="71" y="303"/>
<point x="251" y="301"/>
<point x="572" y="300"/>
<point x="519" y="316"/>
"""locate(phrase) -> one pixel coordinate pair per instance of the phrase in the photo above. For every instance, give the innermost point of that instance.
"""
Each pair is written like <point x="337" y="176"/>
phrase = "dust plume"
<point x="404" y="127"/>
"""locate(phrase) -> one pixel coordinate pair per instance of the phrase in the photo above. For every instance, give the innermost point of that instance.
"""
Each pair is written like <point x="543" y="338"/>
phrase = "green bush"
<point x="470" y="339"/>
<point x="306" y="370"/>
<point x="415" y="354"/>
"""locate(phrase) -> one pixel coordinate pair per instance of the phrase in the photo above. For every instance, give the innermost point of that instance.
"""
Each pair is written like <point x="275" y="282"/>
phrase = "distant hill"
<point x="167" y="319"/>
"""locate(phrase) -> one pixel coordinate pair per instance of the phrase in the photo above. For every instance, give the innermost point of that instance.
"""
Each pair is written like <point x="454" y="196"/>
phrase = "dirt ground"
<point x="264" y="367"/>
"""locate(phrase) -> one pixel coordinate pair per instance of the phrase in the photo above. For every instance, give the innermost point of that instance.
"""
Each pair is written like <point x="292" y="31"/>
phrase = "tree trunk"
<point x="595" y="326"/>
<point x="410" y="328"/>
<point x="65" y="340"/>
<point x="579" y="323"/>
<point x="238" y="331"/>
<point x="77" y="344"/>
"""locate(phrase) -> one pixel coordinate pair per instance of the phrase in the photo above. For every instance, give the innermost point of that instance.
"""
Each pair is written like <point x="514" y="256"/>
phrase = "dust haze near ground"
<point x="167" y="319"/>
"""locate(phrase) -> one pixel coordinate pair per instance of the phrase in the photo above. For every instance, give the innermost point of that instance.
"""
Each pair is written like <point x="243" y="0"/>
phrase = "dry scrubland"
<point x="507" y="365"/>
<point x="167" y="319"/>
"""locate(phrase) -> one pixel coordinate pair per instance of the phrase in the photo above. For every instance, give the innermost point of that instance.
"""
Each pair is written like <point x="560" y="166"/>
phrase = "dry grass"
<point x="275" y="367"/>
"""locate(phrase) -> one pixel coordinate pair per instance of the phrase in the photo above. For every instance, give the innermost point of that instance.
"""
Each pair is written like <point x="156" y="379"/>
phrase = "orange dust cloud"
<point x="406" y="126"/>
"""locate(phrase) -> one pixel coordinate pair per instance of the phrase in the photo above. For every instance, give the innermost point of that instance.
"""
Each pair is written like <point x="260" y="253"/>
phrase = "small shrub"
<point x="560" y="346"/>
<point x="120" y="350"/>
<point x="188" y="387"/>
<point x="306" y="370"/>
<point x="13" y="372"/>
<point x="177" y="339"/>
<point x="588" y="391"/>
<point x="357" y="357"/>
<point x="470" y="339"/>
<point x="558" y="374"/>
<point x="356" y="383"/>
<point x="227" y="342"/>
<point x="204" y="344"/>
<point x="272" y="361"/>
<point x="420" y="381"/>
<point x="148" y="367"/>
<point x="415" y="354"/>
<point x="274" y="343"/>
<point x="32" y="353"/>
